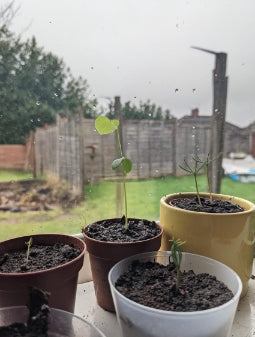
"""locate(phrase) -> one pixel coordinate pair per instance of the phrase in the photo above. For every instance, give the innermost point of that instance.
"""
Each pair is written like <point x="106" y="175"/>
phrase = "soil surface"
<point x="217" y="206"/>
<point x="40" y="258"/>
<point x="37" y="323"/>
<point x="113" y="230"/>
<point x="154" y="285"/>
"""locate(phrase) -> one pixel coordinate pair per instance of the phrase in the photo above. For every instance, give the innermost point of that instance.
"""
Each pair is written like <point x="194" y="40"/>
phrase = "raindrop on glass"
<point x="38" y="120"/>
<point x="60" y="137"/>
<point x="91" y="68"/>
<point x="176" y="90"/>
<point x="216" y="110"/>
<point x="157" y="170"/>
<point x="149" y="115"/>
<point x="31" y="120"/>
<point x="193" y="127"/>
<point x="193" y="90"/>
<point x="149" y="194"/>
<point x="37" y="103"/>
<point x="55" y="94"/>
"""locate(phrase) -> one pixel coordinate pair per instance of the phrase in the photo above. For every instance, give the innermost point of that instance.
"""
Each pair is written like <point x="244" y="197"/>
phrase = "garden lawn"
<point x="143" y="202"/>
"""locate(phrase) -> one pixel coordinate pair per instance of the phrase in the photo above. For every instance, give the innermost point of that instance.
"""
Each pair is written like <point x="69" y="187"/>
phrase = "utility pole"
<point x="220" y="82"/>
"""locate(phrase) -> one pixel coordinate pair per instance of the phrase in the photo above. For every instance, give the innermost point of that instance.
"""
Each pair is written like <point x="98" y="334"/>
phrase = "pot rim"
<point x="122" y="243"/>
<point x="60" y="311"/>
<point x="49" y="269"/>
<point x="233" y="199"/>
<point x="177" y="313"/>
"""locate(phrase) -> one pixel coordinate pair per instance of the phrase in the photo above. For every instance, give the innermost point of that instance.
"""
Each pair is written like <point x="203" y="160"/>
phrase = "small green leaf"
<point x="125" y="162"/>
<point x="126" y="165"/>
<point x="104" y="125"/>
<point x="116" y="163"/>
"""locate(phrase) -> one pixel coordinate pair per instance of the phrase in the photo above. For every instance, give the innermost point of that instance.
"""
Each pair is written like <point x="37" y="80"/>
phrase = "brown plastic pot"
<point x="60" y="281"/>
<point x="104" y="255"/>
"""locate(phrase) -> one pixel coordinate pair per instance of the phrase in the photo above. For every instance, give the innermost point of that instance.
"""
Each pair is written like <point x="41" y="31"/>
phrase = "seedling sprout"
<point x="206" y="164"/>
<point x="104" y="126"/>
<point x="194" y="172"/>
<point x="177" y="258"/>
<point x="29" y="244"/>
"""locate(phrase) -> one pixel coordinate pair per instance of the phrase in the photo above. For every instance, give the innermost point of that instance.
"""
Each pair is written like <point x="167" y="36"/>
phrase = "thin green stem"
<point x="178" y="278"/>
<point x="198" y="196"/>
<point x="124" y="183"/>
<point x="208" y="183"/>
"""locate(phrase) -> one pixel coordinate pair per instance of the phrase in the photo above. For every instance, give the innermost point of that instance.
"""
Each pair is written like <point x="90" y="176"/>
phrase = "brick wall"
<point x="12" y="156"/>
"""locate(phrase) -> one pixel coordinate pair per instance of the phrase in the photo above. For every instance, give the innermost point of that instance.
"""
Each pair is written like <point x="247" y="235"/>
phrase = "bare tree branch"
<point x="7" y="13"/>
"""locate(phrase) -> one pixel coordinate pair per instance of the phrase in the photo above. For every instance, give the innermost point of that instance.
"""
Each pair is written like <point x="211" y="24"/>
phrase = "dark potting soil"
<point x="217" y="206"/>
<point x="154" y="285"/>
<point x="40" y="258"/>
<point x="38" y="318"/>
<point x="113" y="230"/>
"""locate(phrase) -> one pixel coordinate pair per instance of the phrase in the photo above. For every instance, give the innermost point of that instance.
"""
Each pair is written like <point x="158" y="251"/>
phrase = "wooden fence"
<point x="74" y="151"/>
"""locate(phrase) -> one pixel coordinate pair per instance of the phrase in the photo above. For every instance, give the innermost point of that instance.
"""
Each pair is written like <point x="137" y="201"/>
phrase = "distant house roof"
<point x="201" y="120"/>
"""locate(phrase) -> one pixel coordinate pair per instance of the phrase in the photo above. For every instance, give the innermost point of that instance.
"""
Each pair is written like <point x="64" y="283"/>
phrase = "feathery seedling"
<point x="206" y="163"/>
<point x="104" y="125"/>
<point x="177" y="258"/>
<point x="29" y="244"/>
<point x="186" y="167"/>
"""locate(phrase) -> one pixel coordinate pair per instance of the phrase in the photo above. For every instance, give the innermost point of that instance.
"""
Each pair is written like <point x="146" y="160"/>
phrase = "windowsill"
<point x="86" y="307"/>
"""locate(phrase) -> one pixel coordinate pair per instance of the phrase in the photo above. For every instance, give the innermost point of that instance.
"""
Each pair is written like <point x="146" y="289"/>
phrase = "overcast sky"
<point x="140" y="49"/>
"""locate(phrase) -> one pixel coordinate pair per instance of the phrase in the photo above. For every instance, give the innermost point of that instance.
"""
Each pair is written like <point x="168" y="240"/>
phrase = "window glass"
<point x="163" y="68"/>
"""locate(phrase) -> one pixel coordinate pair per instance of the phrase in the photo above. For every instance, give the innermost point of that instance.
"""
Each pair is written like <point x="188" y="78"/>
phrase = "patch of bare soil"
<point x="36" y="195"/>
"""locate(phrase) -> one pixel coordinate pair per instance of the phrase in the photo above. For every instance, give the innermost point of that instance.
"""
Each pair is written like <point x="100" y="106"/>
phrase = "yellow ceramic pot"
<point x="228" y="238"/>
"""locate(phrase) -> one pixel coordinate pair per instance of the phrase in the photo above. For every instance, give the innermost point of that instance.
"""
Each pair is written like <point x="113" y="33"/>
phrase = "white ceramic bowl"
<point x="137" y="320"/>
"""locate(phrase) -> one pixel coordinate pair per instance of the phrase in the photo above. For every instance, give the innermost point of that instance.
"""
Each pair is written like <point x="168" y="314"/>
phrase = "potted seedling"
<point x="110" y="240"/>
<point x="50" y="262"/>
<point x="174" y="294"/>
<point x="214" y="225"/>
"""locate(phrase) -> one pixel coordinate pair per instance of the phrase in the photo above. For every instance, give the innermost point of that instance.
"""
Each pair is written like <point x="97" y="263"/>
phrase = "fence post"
<point x="81" y="152"/>
<point x="218" y="119"/>
<point x="57" y="146"/>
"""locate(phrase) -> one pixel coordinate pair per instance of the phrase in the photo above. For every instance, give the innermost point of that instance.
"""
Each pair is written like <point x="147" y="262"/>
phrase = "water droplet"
<point x="38" y="120"/>
<point x="34" y="142"/>
<point x="176" y="90"/>
<point x="91" y="68"/>
<point x="149" y="115"/>
<point x="177" y="25"/>
<point x="31" y="120"/>
<point x="193" y="127"/>
<point x="60" y="137"/>
<point x="95" y="130"/>
<point x="134" y="96"/>
<point x="157" y="170"/>
<point x="193" y="90"/>
<point x="215" y="75"/>
<point x="89" y="190"/>
<point x="37" y="103"/>
<point x="55" y="94"/>
<point x="149" y="194"/>
<point x="216" y="110"/>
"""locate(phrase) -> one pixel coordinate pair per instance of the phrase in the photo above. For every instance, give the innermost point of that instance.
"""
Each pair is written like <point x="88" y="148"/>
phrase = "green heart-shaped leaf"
<point x="104" y="125"/>
<point x="125" y="162"/>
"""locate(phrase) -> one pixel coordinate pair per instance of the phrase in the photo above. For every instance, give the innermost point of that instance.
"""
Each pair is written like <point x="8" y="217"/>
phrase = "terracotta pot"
<point x="103" y="255"/>
<point x="228" y="238"/>
<point x="60" y="281"/>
